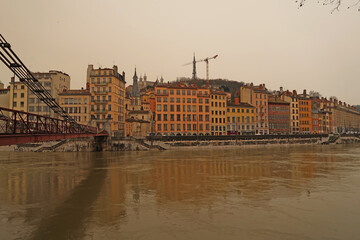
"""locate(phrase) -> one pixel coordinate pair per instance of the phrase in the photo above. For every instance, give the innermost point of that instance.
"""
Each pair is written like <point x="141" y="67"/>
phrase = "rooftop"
<point x="246" y="105"/>
<point x="76" y="92"/>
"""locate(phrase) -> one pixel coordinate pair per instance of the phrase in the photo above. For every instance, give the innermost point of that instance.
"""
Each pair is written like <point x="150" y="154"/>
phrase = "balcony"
<point x="101" y="83"/>
<point x="100" y="92"/>
<point x="100" y="101"/>
<point x="101" y="111"/>
<point x="161" y="94"/>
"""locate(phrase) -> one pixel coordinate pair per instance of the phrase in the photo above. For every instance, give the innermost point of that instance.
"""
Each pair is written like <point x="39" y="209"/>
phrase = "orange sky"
<point x="260" y="41"/>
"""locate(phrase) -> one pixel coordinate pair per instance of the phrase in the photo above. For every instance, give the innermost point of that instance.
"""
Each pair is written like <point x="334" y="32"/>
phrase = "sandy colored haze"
<point x="271" y="42"/>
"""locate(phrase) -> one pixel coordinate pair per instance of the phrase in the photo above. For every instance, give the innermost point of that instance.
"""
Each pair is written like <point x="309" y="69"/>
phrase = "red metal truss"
<point x="22" y="127"/>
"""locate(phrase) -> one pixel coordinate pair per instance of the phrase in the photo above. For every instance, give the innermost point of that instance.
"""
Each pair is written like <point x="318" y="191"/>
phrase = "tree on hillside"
<point x="226" y="88"/>
<point x="313" y="93"/>
<point x="337" y="4"/>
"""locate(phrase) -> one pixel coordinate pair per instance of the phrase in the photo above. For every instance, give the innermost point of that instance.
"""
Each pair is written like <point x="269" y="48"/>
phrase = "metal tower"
<point x="194" y="69"/>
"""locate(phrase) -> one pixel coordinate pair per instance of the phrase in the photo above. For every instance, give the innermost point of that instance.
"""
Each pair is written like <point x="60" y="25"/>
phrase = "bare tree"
<point x="313" y="93"/>
<point x="335" y="3"/>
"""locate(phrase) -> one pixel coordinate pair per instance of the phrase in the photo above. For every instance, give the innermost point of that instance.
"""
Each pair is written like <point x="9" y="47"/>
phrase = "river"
<point x="277" y="192"/>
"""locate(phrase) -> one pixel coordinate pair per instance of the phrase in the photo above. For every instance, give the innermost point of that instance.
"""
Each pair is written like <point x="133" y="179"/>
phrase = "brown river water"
<point x="279" y="192"/>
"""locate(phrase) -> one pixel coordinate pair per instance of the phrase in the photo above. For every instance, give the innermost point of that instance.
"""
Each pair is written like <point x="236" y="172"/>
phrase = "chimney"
<point x="281" y="89"/>
<point x="236" y="101"/>
<point x="87" y="86"/>
<point x="304" y="92"/>
<point x="340" y="102"/>
<point x="88" y="72"/>
<point x="116" y="70"/>
<point x="263" y="86"/>
<point x="123" y="74"/>
<point x="294" y="93"/>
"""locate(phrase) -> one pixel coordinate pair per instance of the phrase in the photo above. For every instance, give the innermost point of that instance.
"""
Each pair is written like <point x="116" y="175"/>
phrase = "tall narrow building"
<point x="107" y="89"/>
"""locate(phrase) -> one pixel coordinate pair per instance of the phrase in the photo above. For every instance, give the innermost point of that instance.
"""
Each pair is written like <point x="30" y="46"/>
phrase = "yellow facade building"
<point x="107" y="108"/>
<point x="218" y="112"/>
<point x="240" y="119"/>
<point x="77" y="104"/>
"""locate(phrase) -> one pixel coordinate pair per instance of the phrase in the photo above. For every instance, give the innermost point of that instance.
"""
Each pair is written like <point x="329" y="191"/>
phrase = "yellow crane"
<point x="207" y="67"/>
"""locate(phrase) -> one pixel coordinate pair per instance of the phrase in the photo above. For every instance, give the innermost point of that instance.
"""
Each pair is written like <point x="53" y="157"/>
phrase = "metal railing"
<point x="13" y="62"/>
<point x="19" y="122"/>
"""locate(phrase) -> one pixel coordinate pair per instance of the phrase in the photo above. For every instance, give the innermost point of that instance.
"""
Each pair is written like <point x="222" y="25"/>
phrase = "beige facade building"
<point x="257" y="96"/>
<point x="18" y="96"/>
<point x="292" y="99"/>
<point x="240" y="118"/>
<point x="344" y="117"/>
<point x="77" y="104"/>
<point x="54" y="82"/>
<point x="139" y="123"/>
<point x="218" y="112"/>
<point x="4" y="97"/>
<point x="107" y="89"/>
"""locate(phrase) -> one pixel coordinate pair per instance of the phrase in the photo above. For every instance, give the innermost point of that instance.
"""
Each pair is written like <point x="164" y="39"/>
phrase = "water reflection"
<point x="102" y="195"/>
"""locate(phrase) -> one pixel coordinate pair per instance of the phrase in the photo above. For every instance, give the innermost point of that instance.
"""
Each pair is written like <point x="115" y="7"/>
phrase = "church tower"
<point x="135" y="94"/>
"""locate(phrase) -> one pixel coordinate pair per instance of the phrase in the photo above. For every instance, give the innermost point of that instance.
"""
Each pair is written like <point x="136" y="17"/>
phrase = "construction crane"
<point x="207" y="67"/>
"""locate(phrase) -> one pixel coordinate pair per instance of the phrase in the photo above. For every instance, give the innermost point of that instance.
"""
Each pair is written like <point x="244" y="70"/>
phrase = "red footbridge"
<point x="18" y="127"/>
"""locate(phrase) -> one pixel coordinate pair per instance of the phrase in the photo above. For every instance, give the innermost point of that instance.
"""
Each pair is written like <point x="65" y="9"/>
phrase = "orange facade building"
<point x="181" y="110"/>
<point x="305" y="113"/>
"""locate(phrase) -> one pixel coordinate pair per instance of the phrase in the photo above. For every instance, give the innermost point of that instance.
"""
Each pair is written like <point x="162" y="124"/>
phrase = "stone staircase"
<point x="148" y="144"/>
<point x="51" y="148"/>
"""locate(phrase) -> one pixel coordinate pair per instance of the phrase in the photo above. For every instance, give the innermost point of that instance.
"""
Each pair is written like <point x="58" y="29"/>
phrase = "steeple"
<point x="194" y="69"/>
<point x="161" y="79"/>
<point x="135" y="89"/>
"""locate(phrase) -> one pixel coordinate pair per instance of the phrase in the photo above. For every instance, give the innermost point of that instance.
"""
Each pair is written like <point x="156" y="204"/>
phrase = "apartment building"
<point x="344" y="117"/>
<point x="18" y="96"/>
<point x="182" y="109"/>
<point x="107" y="108"/>
<point x="240" y="118"/>
<point x="77" y="104"/>
<point x="291" y="98"/>
<point x="305" y="113"/>
<point x="257" y="96"/>
<point x="218" y="112"/>
<point x="279" y="116"/>
<point x="54" y="82"/>
<point x="4" y="97"/>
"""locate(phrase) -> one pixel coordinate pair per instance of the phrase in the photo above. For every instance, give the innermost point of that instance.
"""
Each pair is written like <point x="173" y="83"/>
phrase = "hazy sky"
<point x="260" y="41"/>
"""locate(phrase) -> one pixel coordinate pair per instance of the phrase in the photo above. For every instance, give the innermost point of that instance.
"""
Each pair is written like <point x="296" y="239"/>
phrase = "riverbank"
<point x="142" y="144"/>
